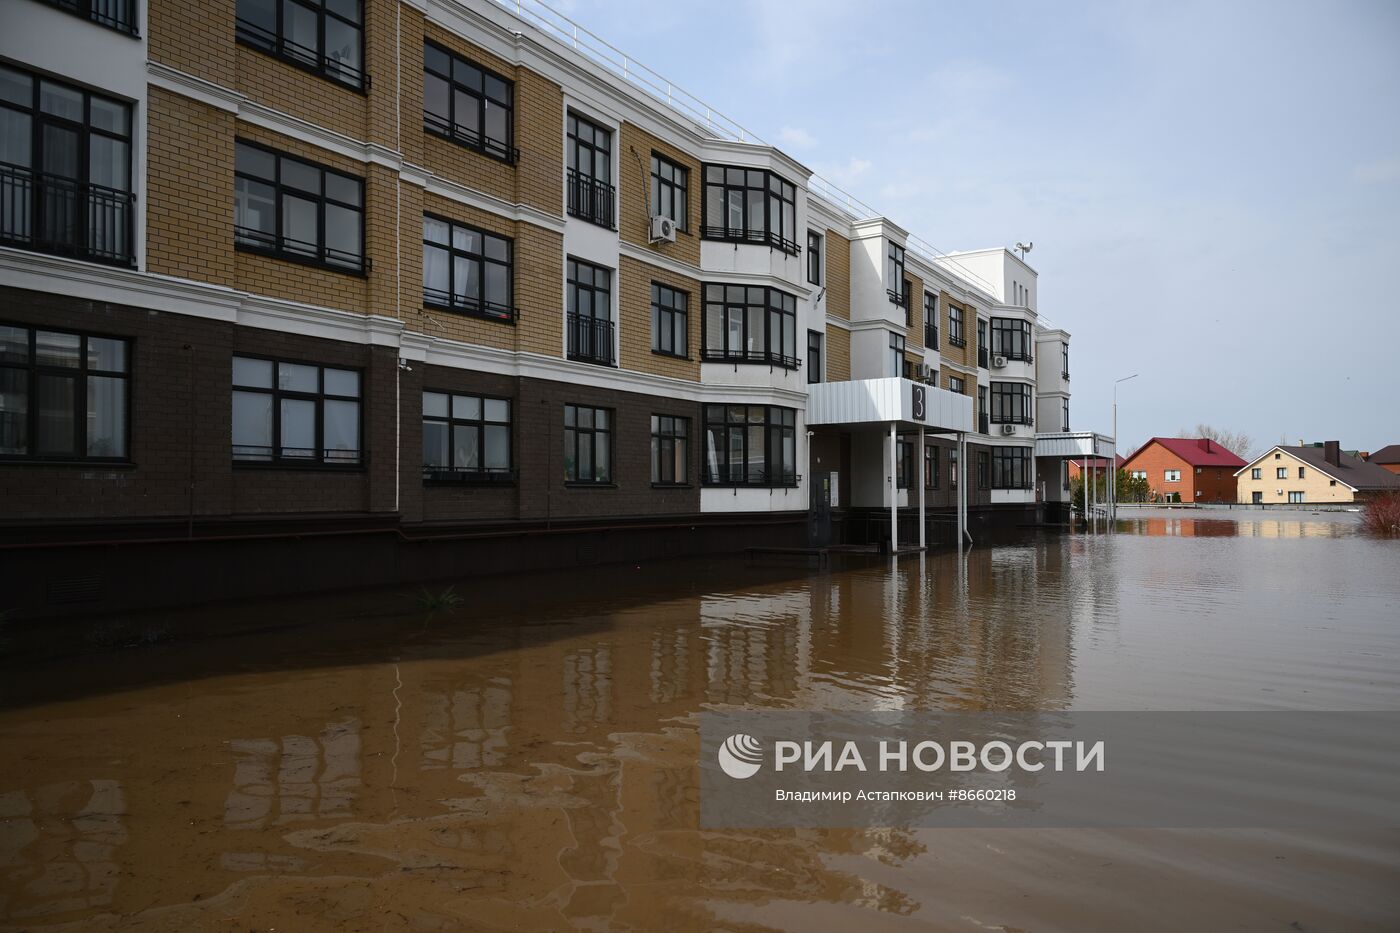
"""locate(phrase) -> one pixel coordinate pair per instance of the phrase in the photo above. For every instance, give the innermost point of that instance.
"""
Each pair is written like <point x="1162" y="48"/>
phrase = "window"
<point x="589" y="176"/>
<point x="1278" y="456"/>
<point x="984" y="469"/>
<point x="896" y="355"/>
<point x="590" y="313"/>
<point x="750" y="445"/>
<point x="1302" y="471"/>
<point x="1064" y="414"/>
<point x="1012" y="403"/>
<point x="748" y="205"/>
<point x="814" y="356"/>
<point x="65" y="170"/>
<point x="295" y="413"/>
<point x="894" y="276"/>
<point x="814" y="257"/>
<point x="587" y="445"/>
<point x="957" y="384"/>
<point x="931" y="466"/>
<point x="670" y="450"/>
<point x="904" y="462"/>
<point x="466" y="438"/>
<point x="670" y="191"/>
<point x="1012" y="468"/>
<point x="982" y="342"/>
<point x="750" y="324"/>
<point x="1256" y="473"/>
<point x="668" y="320"/>
<point x="1011" y="338"/>
<point x="114" y="14"/>
<point x="982" y="417"/>
<point x="952" y="470"/>
<point x="1281" y="473"/>
<point x="468" y="104"/>
<point x="1064" y="352"/>
<point x="296" y="210"/>
<point x="1138" y="474"/>
<point x="467" y="270"/>
<point x="955" y="326"/>
<point x="1172" y="476"/>
<point x="930" y="321"/>
<point x="1295" y="496"/>
<point x="63" y="396"/>
<point x="321" y="36"/>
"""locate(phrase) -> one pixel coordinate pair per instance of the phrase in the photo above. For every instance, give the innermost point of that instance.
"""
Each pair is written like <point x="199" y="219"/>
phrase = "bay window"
<point x="749" y="205"/>
<point x="1012" y="339"/>
<point x="1012" y="403"/>
<point x="750" y="324"/>
<point x="1012" y="468"/>
<point x="750" y="445"/>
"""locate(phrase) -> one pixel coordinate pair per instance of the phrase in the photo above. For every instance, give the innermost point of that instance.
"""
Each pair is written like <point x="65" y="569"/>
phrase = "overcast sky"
<point x="1213" y="189"/>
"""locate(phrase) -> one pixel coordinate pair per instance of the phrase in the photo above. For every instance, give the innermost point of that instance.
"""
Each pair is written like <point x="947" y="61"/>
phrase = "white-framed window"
<point x="1281" y="473"/>
<point x="1138" y="474"/>
<point x="1256" y="473"/>
<point x="1172" y="476"/>
<point x="1295" y="496"/>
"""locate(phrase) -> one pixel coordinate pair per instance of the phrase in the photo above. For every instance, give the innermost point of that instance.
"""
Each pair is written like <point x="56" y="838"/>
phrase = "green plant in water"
<point x="447" y="599"/>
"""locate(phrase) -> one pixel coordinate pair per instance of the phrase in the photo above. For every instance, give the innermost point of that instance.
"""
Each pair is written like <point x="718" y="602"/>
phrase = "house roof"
<point x="1388" y="454"/>
<point x="1197" y="451"/>
<point x="1356" y="473"/>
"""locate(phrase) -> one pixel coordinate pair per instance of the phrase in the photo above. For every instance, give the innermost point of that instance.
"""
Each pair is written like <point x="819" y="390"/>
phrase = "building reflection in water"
<point x="59" y="847"/>
<point x="297" y="777"/>
<point x="467" y="728"/>
<point x="1241" y="528"/>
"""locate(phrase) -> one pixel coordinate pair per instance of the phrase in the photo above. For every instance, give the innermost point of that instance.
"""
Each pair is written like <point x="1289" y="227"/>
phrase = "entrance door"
<point x="819" y="510"/>
<point x="1258" y="498"/>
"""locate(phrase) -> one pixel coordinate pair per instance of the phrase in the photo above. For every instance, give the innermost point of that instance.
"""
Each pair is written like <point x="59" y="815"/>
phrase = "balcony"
<point x="762" y="357"/>
<point x="930" y="335"/>
<point x="982" y="358"/>
<point x="591" y="340"/>
<point x="983" y="424"/>
<point x="591" y="200"/>
<point x="66" y="217"/>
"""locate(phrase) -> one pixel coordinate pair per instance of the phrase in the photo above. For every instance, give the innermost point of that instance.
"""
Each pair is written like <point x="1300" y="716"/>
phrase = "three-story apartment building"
<point x="312" y="292"/>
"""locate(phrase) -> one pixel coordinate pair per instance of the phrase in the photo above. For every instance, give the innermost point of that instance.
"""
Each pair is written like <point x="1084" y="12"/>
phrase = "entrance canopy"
<point x="882" y="401"/>
<point x="1073" y="444"/>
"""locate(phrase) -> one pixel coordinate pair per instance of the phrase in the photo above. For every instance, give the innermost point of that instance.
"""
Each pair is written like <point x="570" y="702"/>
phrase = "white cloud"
<point x="844" y="174"/>
<point x="796" y="137"/>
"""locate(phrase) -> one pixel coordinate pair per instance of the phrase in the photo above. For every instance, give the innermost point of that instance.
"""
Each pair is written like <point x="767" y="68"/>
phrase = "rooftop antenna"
<point x="1023" y="249"/>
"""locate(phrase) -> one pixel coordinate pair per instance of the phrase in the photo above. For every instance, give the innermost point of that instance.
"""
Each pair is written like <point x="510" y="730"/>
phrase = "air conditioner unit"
<point x="1008" y="429"/>
<point x="923" y="370"/>
<point x="999" y="362"/>
<point x="663" y="230"/>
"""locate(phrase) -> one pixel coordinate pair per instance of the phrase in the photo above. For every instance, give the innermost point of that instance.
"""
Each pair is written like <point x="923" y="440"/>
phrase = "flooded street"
<point x="527" y="759"/>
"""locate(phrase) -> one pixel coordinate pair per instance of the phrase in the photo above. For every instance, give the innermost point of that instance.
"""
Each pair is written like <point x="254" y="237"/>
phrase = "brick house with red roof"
<point x="1196" y="469"/>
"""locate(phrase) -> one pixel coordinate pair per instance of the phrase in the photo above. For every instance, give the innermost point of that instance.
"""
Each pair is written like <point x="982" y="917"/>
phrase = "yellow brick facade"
<point x="963" y="356"/>
<point x="633" y="156"/>
<point x="838" y="281"/>
<point x="1315" y="485"/>
<point x="634" y="320"/>
<point x="838" y="354"/>
<point x="189" y="195"/>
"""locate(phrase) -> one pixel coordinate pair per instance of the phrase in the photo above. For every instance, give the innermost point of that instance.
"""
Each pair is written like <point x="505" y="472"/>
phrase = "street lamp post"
<point x="1113" y="460"/>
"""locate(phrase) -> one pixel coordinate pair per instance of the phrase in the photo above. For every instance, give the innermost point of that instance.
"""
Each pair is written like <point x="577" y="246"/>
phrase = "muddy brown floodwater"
<point x="527" y="760"/>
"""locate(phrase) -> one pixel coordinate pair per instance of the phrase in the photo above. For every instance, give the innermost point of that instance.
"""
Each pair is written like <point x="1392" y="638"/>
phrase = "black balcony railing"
<point x="591" y="200"/>
<point x="765" y="357"/>
<point x="51" y="214"/>
<point x="982" y="358"/>
<point x="114" y="14"/>
<point x="591" y="340"/>
<point x="330" y="66"/>
<point x="983" y="424"/>
<point x="467" y="477"/>
<point x="930" y="335"/>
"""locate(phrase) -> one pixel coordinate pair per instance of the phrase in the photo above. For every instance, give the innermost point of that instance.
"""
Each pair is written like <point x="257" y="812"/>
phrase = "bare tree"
<point x="1237" y="442"/>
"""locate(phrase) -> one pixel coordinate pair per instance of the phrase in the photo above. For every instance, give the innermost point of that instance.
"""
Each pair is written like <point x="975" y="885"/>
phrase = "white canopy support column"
<point x="894" y="490"/>
<point x="962" y="489"/>
<point x="923" y="481"/>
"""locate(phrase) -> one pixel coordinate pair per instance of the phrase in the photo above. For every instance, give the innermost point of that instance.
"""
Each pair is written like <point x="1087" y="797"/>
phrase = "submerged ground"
<point x="526" y="758"/>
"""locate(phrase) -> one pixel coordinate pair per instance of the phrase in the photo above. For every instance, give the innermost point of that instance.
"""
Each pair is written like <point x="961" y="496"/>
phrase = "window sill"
<point x="360" y="273"/>
<point x="295" y="467"/>
<point x="583" y="484"/>
<point x="473" y="312"/>
<point x="672" y="485"/>
<point x="80" y="464"/>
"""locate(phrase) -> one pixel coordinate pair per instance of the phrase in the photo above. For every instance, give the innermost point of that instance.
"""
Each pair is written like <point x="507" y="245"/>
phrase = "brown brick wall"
<point x="634" y="176"/>
<point x="181" y="409"/>
<point x="1212" y="484"/>
<point x="189" y="198"/>
<point x="193" y="36"/>
<point x="634" y="302"/>
<point x="838" y="354"/>
<point x="838" y="279"/>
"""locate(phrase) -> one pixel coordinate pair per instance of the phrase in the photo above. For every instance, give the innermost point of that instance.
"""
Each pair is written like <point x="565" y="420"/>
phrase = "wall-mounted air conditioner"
<point x="663" y="230"/>
<point x="998" y="362"/>
<point x="1008" y="429"/>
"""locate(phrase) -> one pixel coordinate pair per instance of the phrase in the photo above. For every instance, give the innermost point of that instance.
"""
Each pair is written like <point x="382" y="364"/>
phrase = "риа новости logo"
<point x="741" y="756"/>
